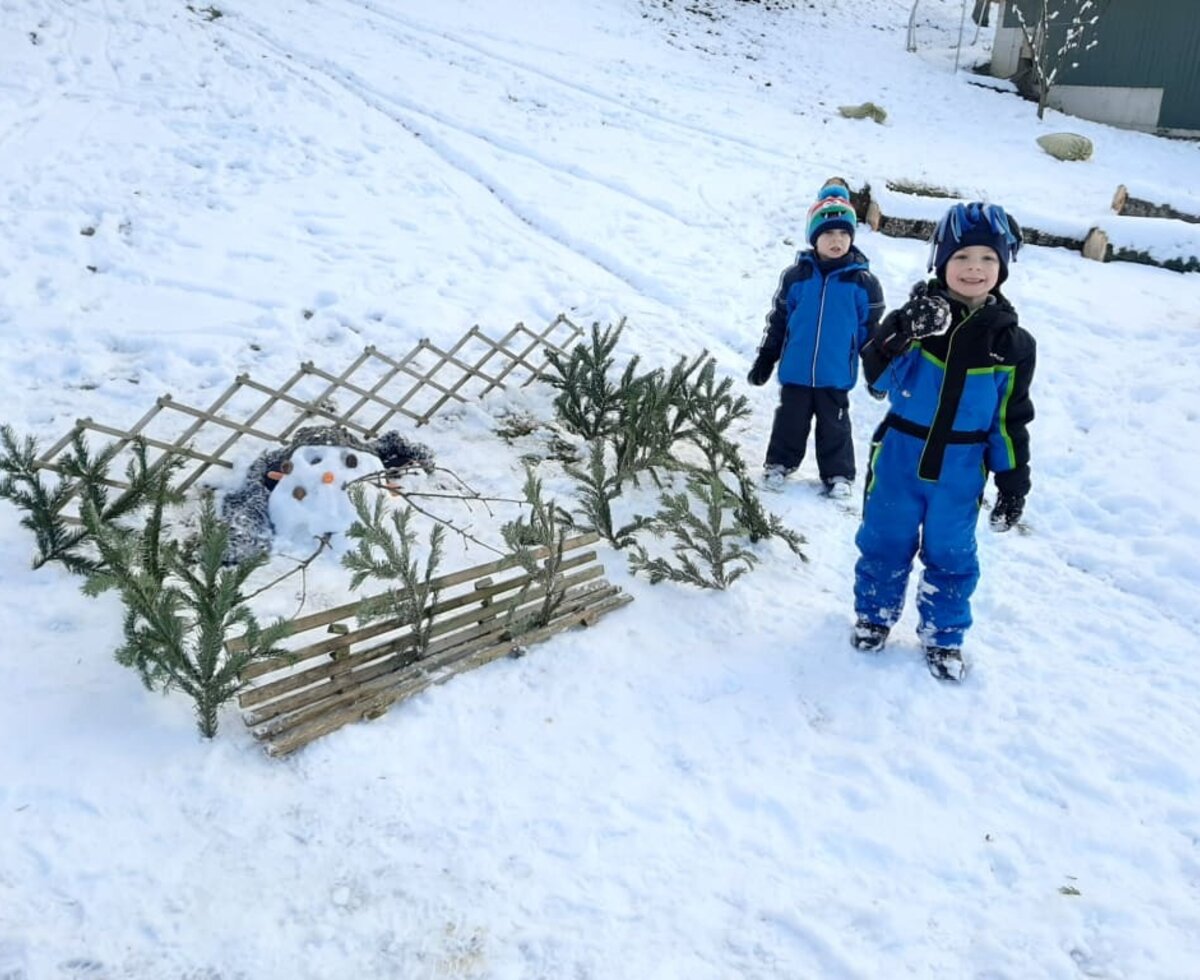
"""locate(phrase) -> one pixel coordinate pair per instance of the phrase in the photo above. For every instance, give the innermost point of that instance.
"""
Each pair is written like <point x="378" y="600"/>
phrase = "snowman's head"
<point x="309" y="498"/>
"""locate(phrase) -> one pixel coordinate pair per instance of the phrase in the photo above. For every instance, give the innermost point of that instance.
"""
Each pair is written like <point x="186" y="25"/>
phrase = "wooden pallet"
<point x="339" y="671"/>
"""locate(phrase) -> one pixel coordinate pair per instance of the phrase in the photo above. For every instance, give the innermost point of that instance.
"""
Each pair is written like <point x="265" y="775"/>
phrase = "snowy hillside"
<point x="706" y="785"/>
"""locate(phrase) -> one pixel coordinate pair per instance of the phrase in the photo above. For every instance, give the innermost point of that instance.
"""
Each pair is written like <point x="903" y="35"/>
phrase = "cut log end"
<point x="1096" y="246"/>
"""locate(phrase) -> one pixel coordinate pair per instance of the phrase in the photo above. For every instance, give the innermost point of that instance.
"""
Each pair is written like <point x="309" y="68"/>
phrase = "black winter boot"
<point x="945" y="663"/>
<point x="869" y="637"/>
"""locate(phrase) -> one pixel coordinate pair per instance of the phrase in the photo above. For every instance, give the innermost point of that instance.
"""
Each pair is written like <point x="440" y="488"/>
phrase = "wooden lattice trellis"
<point x="367" y="397"/>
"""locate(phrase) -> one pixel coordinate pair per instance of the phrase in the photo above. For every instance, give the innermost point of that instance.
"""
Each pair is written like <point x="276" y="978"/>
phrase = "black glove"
<point x="928" y="314"/>
<point x="924" y="315"/>
<point x="1007" y="510"/>
<point x="760" y="370"/>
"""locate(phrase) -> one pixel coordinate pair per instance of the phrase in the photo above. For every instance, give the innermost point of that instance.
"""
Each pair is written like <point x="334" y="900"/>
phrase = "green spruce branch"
<point x="598" y="487"/>
<point x="654" y="422"/>
<point x="544" y="528"/>
<point x="712" y="410"/>
<point x="589" y="402"/>
<point x="81" y="475"/>
<point x="706" y="551"/>
<point x="749" y="513"/>
<point x="385" y="551"/>
<point x="643" y="437"/>
<point x="178" y="616"/>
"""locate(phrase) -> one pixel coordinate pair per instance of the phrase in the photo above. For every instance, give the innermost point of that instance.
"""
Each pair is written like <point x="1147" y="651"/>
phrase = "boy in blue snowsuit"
<point x="956" y="368"/>
<point x="824" y="310"/>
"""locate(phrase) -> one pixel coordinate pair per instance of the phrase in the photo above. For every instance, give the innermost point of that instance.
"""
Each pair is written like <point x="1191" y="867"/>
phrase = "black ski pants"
<point x="798" y="405"/>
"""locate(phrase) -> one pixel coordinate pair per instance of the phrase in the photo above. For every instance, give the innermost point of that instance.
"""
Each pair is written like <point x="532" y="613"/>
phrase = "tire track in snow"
<point x="514" y="147"/>
<point x="405" y="114"/>
<point x="592" y="94"/>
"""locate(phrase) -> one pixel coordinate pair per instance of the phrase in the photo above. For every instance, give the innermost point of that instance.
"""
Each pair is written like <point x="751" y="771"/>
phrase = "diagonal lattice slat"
<point x="377" y="389"/>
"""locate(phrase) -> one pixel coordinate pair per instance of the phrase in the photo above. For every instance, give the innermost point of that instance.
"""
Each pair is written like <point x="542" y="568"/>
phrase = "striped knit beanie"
<point x="831" y="211"/>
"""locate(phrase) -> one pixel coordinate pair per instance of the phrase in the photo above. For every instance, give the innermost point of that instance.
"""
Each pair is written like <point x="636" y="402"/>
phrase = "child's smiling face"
<point x="972" y="273"/>
<point x="833" y="244"/>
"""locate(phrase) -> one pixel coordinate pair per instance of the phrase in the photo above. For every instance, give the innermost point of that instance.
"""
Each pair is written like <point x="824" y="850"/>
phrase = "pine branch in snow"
<point x="544" y="528"/>
<point x="179" y="615"/>
<point x="706" y="551"/>
<point x="385" y="551"/>
<point x="82" y="475"/>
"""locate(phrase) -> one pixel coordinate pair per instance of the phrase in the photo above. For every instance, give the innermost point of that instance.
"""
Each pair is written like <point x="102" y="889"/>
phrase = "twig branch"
<point x="382" y="478"/>
<point x="451" y="526"/>
<point x="301" y="567"/>
<point x="458" y="496"/>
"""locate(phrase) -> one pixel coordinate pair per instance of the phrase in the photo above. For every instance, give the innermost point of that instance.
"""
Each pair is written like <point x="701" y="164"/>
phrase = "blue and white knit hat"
<point x="831" y="211"/>
<point x="974" y="224"/>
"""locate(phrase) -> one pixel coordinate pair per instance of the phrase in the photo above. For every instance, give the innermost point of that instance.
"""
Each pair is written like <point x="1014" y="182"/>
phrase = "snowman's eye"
<point x="313" y="457"/>
<point x="299" y="493"/>
<point x="350" y="461"/>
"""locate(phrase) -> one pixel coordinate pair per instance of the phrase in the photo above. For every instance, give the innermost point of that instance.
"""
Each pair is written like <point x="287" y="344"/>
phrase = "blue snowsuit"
<point x="959" y="408"/>
<point x="822" y="314"/>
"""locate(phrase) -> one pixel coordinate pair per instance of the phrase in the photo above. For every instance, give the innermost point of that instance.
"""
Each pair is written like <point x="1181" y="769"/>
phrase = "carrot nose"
<point x="327" y="477"/>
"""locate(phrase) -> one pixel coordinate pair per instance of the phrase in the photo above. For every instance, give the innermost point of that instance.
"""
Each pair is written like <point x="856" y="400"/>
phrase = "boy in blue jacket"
<point x="956" y="368"/>
<point x="824" y="311"/>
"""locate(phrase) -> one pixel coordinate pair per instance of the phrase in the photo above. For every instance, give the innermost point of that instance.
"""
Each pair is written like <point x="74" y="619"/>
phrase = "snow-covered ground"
<point x="707" y="785"/>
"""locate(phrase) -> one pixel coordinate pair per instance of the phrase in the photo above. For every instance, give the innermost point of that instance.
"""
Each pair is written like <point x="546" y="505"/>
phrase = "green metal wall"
<point x="1141" y="43"/>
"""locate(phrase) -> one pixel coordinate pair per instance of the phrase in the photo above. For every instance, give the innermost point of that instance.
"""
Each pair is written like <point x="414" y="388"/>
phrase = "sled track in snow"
<point x="591" y="94"/>
<point x="476" y="61"/>
<point x="409" y="117"/>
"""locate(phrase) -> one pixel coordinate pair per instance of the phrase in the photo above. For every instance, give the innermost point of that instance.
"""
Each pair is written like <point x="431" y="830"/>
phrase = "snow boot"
<point x="869" y="637"/>
<point x="838" y="487"/>
<point x="775" y="475"/>
<point x="945" y="663"/>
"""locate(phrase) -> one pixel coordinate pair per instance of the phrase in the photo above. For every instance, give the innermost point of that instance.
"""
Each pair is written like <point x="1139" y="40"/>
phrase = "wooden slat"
<point x="373" y="394"/>
<point x="515" y="359"/>
<point x="259" y="413"/>
<point x="264" y="692"/>
<point x="285" y="742"/>
<point x="166" y="447"/>
<point x="443" y="582"/>
<point x="398" y="655"/>
<point x="335" y="383"/>
<point x="470" y="371"/>
<point x="192" y="430"/>
<point x="448" y="654"/>
<point x="307" y="408"/>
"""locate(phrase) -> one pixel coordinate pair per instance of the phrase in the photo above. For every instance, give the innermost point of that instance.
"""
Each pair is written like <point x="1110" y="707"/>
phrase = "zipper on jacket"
<point x="820" y="324"/>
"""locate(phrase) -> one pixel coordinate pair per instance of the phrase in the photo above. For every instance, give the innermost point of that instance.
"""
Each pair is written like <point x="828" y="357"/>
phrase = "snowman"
<point x="309" y="499"/>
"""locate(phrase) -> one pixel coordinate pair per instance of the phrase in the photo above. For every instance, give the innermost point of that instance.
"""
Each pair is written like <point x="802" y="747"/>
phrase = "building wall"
<point x="1132" y="108"/>
<point x="1006" y="48"/>
<point x="1148" y="53"/>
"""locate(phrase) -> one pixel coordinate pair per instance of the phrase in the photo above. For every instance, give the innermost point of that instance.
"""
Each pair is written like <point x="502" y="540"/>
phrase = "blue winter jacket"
<point x="964" y="391"/>
<point x="822" y="315"/>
